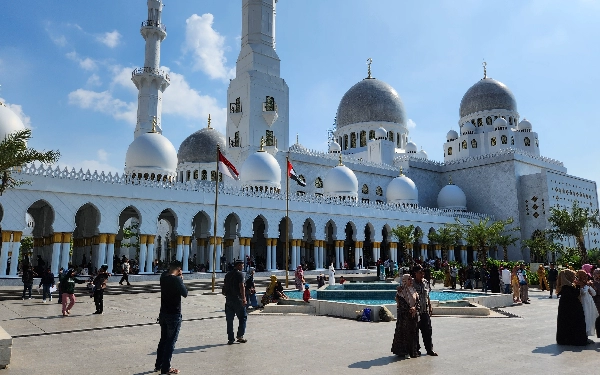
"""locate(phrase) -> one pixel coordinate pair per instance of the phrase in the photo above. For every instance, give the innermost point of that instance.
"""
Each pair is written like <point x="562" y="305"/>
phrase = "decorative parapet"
<point x="348" y="159"/>
<point x="209" y="187"/>
<point x="150" y="70"/>
<point x="505" y="151"/>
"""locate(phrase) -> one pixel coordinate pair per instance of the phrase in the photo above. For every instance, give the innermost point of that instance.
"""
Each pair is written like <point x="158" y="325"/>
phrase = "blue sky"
<point x="65" y="66"/>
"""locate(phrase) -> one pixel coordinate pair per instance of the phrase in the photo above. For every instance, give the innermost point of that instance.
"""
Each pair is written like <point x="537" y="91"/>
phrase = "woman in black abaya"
<point x="570" y="324"/>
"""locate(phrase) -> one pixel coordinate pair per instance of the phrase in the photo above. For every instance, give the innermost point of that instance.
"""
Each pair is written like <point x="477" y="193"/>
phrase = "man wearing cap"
<point x="171" y="291"/>
<point x="235" y="302"/>
<point x="424" y="309"/>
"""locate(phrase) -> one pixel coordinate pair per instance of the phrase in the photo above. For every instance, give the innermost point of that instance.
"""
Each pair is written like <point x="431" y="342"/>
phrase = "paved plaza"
<point x="124" y="339"/>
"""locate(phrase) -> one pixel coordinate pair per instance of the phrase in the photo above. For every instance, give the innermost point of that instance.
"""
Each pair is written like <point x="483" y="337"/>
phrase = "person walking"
<point x="453" y="274"/>
<point x="570" y="320"/>
<point x="27" y="278"/>
<point x="552" y="277"/>
<point x="171" y="291"/>
<point x="67" y="284"/>
<point x="424" y="309"/>
<point x="99" y="286"/>
<point x="235" y="302"/>
<point x="299" y="278"/>
<point x="126" y="267"/>
<point x="523" y="284"/>
<point x="46" y="283"/>
<point x="251" y="290"/>
<point x="506" y="280"/>
<point x="516" y="288"/>
<point x="543" y="282"/>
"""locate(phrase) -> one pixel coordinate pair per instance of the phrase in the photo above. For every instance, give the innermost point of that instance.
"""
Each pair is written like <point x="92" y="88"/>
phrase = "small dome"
<point x="468" y="128"/>
<point x="524" y="125"/>
<point x="486" y="95"/>
<point x="411" y="148"/>
<point x="9" y="121"/>
<point x="334" y="147"/>
<point x="151" y="153"/>
<point x="500" y="123"/>
<point x="422" y="154"/>
<point x="452" y="135"/>
<point x="201" y="146"/>
<point x="380" y="133"/>
<point x="451" y="197"/>
<point x="340" y="182"/>
<point x="261" y="169"/>
<point x="402" y="190"/>
<point x="370" y="100"/>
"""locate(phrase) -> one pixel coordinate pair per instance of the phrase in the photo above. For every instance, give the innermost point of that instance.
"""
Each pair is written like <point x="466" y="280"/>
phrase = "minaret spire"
<point x="150" y="80"/>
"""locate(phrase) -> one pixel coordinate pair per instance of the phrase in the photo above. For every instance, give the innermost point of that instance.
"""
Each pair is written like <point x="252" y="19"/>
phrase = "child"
<point x="589" y="307"/>
<point x="342" y="280"/>
<point x="306" y="294"/>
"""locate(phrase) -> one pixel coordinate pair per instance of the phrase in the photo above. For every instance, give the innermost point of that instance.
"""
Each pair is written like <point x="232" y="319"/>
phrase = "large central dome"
<point x="485" y="95"/>
<point x="201" y="147"/>
<point x="370" y="100"/>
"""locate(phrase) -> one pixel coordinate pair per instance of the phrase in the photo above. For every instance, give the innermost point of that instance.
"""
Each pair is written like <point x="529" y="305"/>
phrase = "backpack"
<point x="225" y="287"/>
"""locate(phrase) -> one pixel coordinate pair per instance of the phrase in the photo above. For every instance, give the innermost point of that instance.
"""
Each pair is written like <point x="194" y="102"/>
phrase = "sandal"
<point x="171" y="371"/>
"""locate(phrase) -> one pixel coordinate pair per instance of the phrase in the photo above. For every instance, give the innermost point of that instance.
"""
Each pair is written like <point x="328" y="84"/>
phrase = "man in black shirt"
<point x="171" y="291"/>
<point x="424" y="310"/>
<point x="235" y="302"/>
<point x="552" y="277"/>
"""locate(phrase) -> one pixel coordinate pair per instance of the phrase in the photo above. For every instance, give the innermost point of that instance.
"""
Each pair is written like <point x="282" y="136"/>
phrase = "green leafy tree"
<point x="14" y="153"/>
<point x="505" y="237"/>
<point x="446" y="237"/>
<point x="481" y="235"/>
<point x="406" y="236"/>
<point x="540" y="244"/>
<point x="26" y="247"/>
<point x="574" y="223"/>
<point x="132" y="232"/>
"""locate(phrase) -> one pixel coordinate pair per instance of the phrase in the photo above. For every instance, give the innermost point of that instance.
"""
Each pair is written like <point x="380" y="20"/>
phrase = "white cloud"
<point x="84" y="63"/>
<point x="411" y="124"/>
<point x="110" y="39"/>
<point x="94" y="80"/>
<point x="207" y="47"/>
<point x="104" y="102"/>
<point x="59" y="40"/>
<point x="122" y="77"/>
<point x="182" y="100"/>
<point x="102" y="155"/>
<point x="18" y="110"/>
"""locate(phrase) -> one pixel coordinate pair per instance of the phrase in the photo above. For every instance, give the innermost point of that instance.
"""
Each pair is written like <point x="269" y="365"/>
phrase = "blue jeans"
<point x="169" y="331"/>
<point x="251" y="300"/>
<point x="506" y="288"/>
<point x="46" y="291"/>
<point x="233" y="308"/>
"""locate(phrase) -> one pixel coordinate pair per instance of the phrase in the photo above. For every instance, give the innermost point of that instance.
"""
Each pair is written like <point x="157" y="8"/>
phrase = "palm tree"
<point x="14" y="153"/>
<point x="446" y="237"/>
<point x="481" y="235"/>
<point x="505" y="238"/>
<point x="406" y="236"/>
<point x="541" y="243"/>
<point x="573" y="224"/>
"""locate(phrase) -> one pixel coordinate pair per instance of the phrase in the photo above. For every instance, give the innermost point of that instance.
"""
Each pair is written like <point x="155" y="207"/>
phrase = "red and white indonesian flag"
<point x="292" y="174"/>
<point x="227" y="168"/>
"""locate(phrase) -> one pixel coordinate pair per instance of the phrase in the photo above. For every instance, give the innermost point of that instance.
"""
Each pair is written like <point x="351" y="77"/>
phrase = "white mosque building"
<point x="371" y="179"/>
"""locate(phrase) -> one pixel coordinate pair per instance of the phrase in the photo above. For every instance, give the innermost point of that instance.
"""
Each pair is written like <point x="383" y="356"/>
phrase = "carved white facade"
<point x="371" y="179"/>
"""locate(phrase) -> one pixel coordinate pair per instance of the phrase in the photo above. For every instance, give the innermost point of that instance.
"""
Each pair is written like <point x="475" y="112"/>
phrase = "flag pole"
<point x="214" y="265"/>
<point x="287" y="220"/>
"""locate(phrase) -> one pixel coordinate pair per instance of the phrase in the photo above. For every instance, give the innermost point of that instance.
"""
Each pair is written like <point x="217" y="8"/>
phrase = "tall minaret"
<point x="258" y="97"/>
<point x="150" y="80"/>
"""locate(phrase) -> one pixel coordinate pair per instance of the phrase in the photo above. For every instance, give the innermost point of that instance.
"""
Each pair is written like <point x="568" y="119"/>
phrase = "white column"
<point x="179" y="249"/>
<point x="341" y="247"/>
<point x="293" y="264"/>
<point x="201" y="250"/>
<point x="210" y="249"/>
<point x="219" y="253"/>
<point x="6" y="245"/>
<point x="16" y="247"/>
<point x="143" y="253"/>
<point x="337" y="255"/>
<point x="150" y="253"/>
<point x="186" y="253"/>
<point x="66" y="247"/>
<point x="274" y="254"/>
<point x="298" y="252"/>
<point x="463" y="256"/>
<point x="110" y="252"/>
<point x="322" y="255"/>
<point x="55" y="255"/>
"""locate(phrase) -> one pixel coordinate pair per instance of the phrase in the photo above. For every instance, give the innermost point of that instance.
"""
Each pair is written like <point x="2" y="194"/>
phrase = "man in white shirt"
<point x="506" y="280"/>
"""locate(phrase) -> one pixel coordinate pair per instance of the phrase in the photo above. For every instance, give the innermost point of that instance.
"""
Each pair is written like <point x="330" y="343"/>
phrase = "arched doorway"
<point x="43" y="218"/>
<point x="87" y="253"/>
<point x="258" y="244"/>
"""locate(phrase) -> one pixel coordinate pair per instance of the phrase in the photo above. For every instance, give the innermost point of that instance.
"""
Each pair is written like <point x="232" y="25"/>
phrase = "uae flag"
<point x="292" y="174"/>
<point x="227" y="168"/>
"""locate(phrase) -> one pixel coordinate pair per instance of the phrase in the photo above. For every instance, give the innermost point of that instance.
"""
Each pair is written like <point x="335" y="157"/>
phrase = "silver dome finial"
<point x="369" y="62"/>
<point x="484" y="69"/>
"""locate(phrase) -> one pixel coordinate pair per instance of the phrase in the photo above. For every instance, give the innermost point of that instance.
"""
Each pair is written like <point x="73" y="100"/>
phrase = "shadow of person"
<point x="555" y="349"/>
<point x="192" y="349"/>
<point x="383" y="361"/>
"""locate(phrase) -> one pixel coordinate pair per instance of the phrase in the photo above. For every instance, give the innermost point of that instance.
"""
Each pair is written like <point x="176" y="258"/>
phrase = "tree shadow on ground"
<point x="555" y="349"/>
<point x="383" y="361"/>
